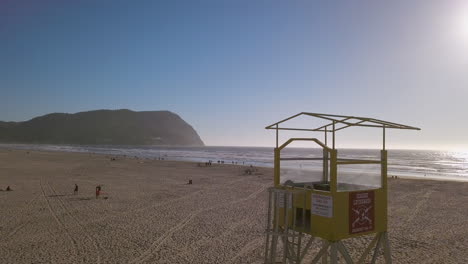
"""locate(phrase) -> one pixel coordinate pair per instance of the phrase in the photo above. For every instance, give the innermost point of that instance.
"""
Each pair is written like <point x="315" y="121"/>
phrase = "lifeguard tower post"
<point x="330" y="208"/>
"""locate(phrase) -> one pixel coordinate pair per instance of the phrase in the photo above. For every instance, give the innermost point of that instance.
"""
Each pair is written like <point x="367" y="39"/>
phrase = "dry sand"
<point x="152" y="216"/>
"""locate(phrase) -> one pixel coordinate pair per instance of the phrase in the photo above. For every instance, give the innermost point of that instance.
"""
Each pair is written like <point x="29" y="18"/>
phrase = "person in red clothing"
<point x="98" y="191"/>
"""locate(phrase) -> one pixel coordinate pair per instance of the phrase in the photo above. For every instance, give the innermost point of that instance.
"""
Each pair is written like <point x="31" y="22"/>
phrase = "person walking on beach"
<point x="76" y="189"/>
<point x="98" y="191"/>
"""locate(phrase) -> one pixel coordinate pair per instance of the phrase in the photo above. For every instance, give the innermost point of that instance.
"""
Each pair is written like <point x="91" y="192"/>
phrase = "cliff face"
<point x="103" y="127"/>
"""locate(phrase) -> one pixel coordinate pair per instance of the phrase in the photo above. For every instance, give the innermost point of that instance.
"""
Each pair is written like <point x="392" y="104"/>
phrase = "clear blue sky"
<point x="230" y="68"/>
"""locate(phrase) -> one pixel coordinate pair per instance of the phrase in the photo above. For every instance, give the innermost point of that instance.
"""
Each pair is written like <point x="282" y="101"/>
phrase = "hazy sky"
<point x="230" y="68"/>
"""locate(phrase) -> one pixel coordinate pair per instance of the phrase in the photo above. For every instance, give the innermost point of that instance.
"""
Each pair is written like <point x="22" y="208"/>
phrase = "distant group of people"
<point x="98" y="190"/>
<point x="249" y="171"/>
<point x="210" y="162"/>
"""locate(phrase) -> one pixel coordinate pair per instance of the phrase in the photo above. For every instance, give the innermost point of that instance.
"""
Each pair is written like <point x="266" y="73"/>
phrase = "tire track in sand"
<point x="149" y="253"/>
<point x="25" y="223"/>
<point x="419" y="206"/>
<point x="5" y="253"/>
<point x="249" y="247"/>
<point x="60" y="223"/>
<point x="67" y="211"/>
<point x="201" y="242"/>
<point x="160" y="204"/>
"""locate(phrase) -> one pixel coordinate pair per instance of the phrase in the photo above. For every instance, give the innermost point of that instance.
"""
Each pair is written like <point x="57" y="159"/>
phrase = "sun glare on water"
<point x="463" y="23"/>
<point x="458" y="32"/>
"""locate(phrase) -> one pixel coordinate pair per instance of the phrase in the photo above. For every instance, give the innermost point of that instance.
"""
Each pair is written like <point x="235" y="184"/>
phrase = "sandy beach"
<point x="147" y="213"/>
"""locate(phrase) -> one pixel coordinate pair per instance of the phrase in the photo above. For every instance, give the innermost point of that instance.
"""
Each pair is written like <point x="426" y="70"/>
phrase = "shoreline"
<point x="408" y="175"/>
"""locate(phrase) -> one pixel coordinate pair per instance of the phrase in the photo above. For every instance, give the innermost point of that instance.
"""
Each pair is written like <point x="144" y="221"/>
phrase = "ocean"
<point x="414" y="163"/>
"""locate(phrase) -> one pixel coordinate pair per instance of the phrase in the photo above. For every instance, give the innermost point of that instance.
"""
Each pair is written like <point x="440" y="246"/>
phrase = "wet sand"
<point x="148" y="213"/>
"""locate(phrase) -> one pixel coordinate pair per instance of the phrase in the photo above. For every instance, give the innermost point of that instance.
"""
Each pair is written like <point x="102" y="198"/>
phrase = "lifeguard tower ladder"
<point x="328" y="209"/>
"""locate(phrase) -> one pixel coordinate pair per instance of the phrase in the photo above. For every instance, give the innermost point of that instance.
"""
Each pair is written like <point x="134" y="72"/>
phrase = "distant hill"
<point x="103" y="127"/>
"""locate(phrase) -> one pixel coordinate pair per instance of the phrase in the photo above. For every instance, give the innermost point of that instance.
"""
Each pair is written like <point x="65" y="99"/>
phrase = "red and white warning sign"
<point x="361" y="212"/>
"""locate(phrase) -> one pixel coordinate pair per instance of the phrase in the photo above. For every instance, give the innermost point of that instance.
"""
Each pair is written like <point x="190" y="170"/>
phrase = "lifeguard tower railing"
<point x="325" y="208"/>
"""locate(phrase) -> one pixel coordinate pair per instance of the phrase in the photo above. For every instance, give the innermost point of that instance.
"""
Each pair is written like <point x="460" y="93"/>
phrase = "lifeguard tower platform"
<point x="328" y="208"/>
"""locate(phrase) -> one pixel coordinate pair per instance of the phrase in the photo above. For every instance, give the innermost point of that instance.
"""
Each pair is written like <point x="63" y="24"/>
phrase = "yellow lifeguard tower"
<point x="329" y="207"/>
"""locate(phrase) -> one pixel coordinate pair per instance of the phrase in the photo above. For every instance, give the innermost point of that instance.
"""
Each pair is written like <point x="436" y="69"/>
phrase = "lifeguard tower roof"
<point x="339" y="122"/>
